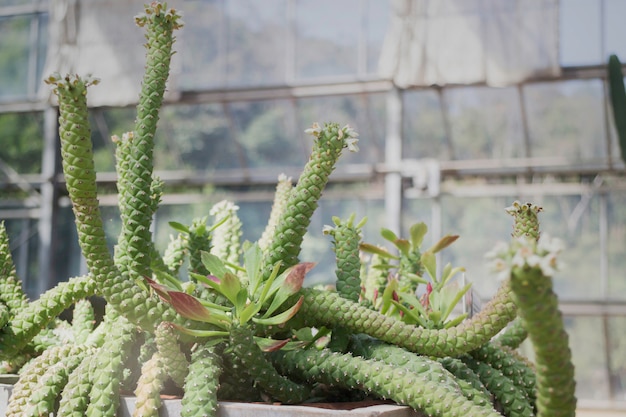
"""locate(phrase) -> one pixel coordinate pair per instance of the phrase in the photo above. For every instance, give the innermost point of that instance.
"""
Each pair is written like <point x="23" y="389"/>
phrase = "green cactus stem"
<point x="227" y="231"/>
<point x="174" y="255"/>
<point x="376" y="377"/>
<point x="513" y="335"/>
<point x="346" y="239"/>
<point x="174" y="360"/>
<point x="526" y="222"/>
<point x="509" y="396"/>
<point x="618" y="100"/>
<point x="463" y="373"/>
<point x="202" y="382"/>
<point x="38" y="314"/>
<point x="136" y="187"/>
<point x="198" y="241"/>
<point x="45" y="393"/>
<point x="261" y="370"/>
<point x="11" y="293"/>
<point x="320" y="308"/>
<point x="83" y="321"/>
<point x="518" y="370"/>
<point x="78" y="168"/>
<point x="420" y="365"/>
<point x="75" y="395"/>
<point x="29" y="377"/>
<point x="149" y="386"/>
<point x="303" y="199"/>
<point x="531" y="284"/>
<point x="107" y="369"/>
<point x="281" y="198"/>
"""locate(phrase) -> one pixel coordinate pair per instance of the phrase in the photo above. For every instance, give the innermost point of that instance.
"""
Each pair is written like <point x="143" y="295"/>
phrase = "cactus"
<point x="281" y="199"/>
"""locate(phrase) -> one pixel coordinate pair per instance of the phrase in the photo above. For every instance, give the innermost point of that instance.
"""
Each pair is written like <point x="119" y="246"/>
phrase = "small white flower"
<point x="352" y="144"/>
<point x="550" y="264"/>
<point x="328" y="229"/>
<point x="314" y="130"/>
<point x="501" y="249"/>
<point x="501" y="268"/>
<point x="548" y="244"/>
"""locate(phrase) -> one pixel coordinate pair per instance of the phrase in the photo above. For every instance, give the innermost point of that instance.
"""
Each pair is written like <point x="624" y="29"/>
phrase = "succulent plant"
<point x="244" y="326"/>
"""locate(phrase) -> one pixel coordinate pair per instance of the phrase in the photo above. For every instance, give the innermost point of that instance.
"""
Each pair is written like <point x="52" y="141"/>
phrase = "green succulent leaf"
<point x="282" y="317"/>
<point x="417" y="233"/>
<point x="270" y="345"/>
<point x="179" y="227"/>
<point x="213" y="264"/>
<point x="253" y="259"/>
<point x="430" y="264"/>
<point x="376" y="250"/>
<point x="455" y="321"/>
<point x="389" y="235"/>
<point x="412" y="315"/>
<point x="388" y="295"/>
<point x="452" y="302"/>
<point x="443" y="243"/>
<point x="230" y="287"/>
<point x="217" y="334"/>
<point x="291" y="283"/>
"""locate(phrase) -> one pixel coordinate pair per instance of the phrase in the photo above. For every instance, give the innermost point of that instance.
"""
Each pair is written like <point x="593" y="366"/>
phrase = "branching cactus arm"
<point x="346" y="239"/>
<point x="83" y="320"/>
<point x="322" y="308"/>
<point x="281" y="197"/>
<point x="11" y="293"/>
<point x="108" y="368"/>
<point x="202" y="382"/>
<point x="261" y="370"/>
<point x="303" y="199"/>
<point x="383" y="380"/>
<point x="39" y="313"/>
<point x="149" y="387"/>
<point x="513" y="335"/>
<point x="227" y="232"/>
<point x="174" y="360"/>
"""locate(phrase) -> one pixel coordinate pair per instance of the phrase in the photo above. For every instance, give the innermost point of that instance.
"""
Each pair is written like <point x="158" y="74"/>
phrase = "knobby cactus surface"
<point x="245" y="326"/>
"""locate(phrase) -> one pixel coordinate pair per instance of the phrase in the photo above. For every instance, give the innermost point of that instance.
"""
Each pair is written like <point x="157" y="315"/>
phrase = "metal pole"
<point x="48" y="205"/>
<point x="393" y="160"/>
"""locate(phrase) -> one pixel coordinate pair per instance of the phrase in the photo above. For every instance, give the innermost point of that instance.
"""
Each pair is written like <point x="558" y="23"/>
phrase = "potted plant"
<point x="244" y="327"/>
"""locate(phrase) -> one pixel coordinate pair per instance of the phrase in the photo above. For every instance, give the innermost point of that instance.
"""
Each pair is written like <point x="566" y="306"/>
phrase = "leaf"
<point x="282" y="317"/>
<point x="189" y="307"/>
<point x="455" y="300"/>
<point x="443" y="243"/>
<point x="209" y="281"/>
<point x="252" y="258"/>
<point x="202" y="333"/>
<point x="213" y="264"/>
<point x="230" y="286"/>
<point x="389" y="235"/>
<point x="417" y="233"/>
<point x="168" y="278"/>
<point x="404" y="246"/>
<point x="376" y="250"/>
<point x="179" y="227"/>
<point x="389" y="294"/>
<point x="291" y="284"/>
<point x="249" y="311"/>
<point x="430" y="264"/>
<point x="410" y="313"/>
<point x="449" y="273"/>
<point x="270" y="345"/>
<point x="455" y="321"/>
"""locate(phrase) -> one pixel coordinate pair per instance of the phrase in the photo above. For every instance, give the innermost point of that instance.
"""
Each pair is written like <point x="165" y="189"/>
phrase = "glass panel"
<point x="586" y="340"/>
<point x="104" y="124"/>
<point x="480" y="223"/>
<point x="566" y="120"/>
<point x="378" y="16"/>
<point x="14" y="44"/>
<point x="616" y="245"/>
<point x="485" y="122"/>
<point x="614" y="29"/>
<point x="327" y="38"/>
<point x="257" y="42"/>
<point x="266" y="130"/>
<point x="195" y="137"/>
<point x="203" y="44"/>
<point x="365" y="113"/>
<point x="24" y="246"/>
<point x="424" y="131"/>
<point x="575" y="221"/>
<point x="617" y="346"/>
<point x="21" y="135"/>
<point x="580" y="32"/>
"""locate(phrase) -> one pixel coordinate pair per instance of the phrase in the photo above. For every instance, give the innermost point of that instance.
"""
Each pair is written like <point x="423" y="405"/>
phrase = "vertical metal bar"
<point x="393" y="160"/>
<point x="33" y="52"/>
<point x="48" y="204"/>
<point x="606" y="333"/>
<point x="443" y="107"/>
<point x="604" y="243"/>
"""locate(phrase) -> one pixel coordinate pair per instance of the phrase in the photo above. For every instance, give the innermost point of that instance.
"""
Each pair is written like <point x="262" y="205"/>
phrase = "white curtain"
<point x="497" y="42"/>
<point x="99" y="37"/>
